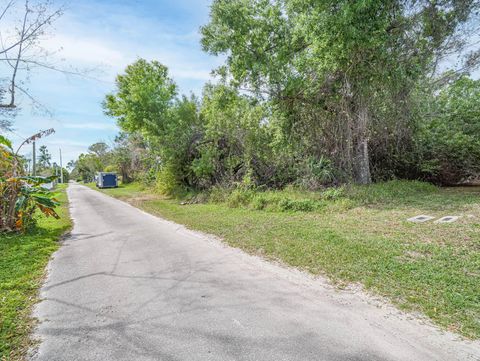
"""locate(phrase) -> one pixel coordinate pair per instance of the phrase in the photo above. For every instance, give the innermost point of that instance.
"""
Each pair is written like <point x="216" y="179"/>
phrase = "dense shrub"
<point x="449" y="140"/>
<point x="166" y="181"/>
<point x="236" y="144"/>
<point x="240" y="197"/>
<point x="333" y="193"/>
<point x="314" y="173"/>
<point x="301" y="205"/>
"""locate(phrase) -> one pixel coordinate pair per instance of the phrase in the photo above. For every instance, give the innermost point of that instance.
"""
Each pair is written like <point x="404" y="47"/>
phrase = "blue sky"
<point x="103" y="37"/>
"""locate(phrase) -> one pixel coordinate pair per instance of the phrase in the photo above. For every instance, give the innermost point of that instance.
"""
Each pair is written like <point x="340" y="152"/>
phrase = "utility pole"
<point x="61" y="166"/>
<point x="34" y="160"/>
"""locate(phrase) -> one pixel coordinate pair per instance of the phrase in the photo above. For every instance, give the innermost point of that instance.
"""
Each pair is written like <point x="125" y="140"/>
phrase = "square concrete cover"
<point x="420" y="219"/>
<point x="447" y="219"/>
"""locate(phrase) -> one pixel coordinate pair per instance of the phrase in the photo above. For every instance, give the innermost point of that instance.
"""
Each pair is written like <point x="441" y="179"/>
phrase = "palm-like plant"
<point x="21" y="195"/>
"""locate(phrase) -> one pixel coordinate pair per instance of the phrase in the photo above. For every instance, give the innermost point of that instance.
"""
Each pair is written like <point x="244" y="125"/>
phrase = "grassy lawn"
<point x="129" y="191"/>
<point x="355" y="235"/>
<point x="23" y="259"/>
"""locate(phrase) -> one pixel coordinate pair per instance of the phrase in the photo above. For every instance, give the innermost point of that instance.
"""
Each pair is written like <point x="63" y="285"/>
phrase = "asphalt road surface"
<point x="129" y="286"/>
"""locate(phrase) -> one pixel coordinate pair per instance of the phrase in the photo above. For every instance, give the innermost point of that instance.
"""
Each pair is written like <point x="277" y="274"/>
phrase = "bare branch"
<point x="53" y="67"/>
<point x="35" y="20"/>
<point x="9" y="5"/>
<point x="34" y="29"/>
<point x="19" y="55"/>
<point x="34" y="101"/>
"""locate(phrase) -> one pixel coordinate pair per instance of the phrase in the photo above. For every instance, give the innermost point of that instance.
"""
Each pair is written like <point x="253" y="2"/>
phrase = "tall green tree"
<point x="336" y="62"/>
<point x="71" y="165"/>
<point x="99" y="148"/>
<point x="87" y="166"/>
<point x="146" y="103"/>
<point x="44" y="157"/>
<point x="142" y="99"/>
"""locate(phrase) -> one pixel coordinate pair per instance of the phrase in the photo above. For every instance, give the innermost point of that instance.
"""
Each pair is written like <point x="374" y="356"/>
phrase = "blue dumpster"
<point x="107" y="180"/>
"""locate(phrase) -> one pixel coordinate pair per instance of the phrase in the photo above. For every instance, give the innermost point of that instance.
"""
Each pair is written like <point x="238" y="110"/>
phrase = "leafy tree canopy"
<point x="144" y="94"/>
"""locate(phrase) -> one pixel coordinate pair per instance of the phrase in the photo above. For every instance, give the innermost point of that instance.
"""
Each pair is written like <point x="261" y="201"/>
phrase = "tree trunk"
<point x="361" y="161"/>
<point x="356" y="110"/>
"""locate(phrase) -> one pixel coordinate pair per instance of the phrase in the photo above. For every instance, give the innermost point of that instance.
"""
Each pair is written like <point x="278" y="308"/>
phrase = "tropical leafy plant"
<point x="21" y="195"/>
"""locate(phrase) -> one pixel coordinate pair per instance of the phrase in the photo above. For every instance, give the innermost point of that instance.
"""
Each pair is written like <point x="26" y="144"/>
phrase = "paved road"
<point x="129" y="286"/>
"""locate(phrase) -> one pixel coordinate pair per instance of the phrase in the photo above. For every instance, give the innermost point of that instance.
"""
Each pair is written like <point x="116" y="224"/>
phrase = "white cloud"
<point x="121" y="37"/>
<point x="84" y="50"/>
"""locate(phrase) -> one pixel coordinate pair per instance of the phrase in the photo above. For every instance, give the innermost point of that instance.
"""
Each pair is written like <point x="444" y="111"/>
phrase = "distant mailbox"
<point x="107" y="180"/>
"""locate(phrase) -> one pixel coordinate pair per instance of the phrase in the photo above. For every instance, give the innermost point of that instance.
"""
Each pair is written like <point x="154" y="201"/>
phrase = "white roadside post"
<point x="61" y="166"/>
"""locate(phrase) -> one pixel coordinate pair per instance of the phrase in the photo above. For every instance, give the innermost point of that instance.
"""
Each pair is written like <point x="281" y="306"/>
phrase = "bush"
<point x="449" y="143"/>
<point x="111" y="169"/>
<point x="313" y="173"/>
<point x="333" y="193"/>
<point x="204" y="167"/>
<point x="299" y="205"/>
<point x="289" y="199"/>
<point x="259" y="202"/>
<point x="166" y="182"/>
<point x="219" y="194"/>
<point x="239" y="197"/>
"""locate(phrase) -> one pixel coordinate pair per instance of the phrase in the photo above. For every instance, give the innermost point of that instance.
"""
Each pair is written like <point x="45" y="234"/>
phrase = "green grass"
<point x="355" y="235"/>
<point x="128" y="191"/>
<point x="23" y="258"/>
